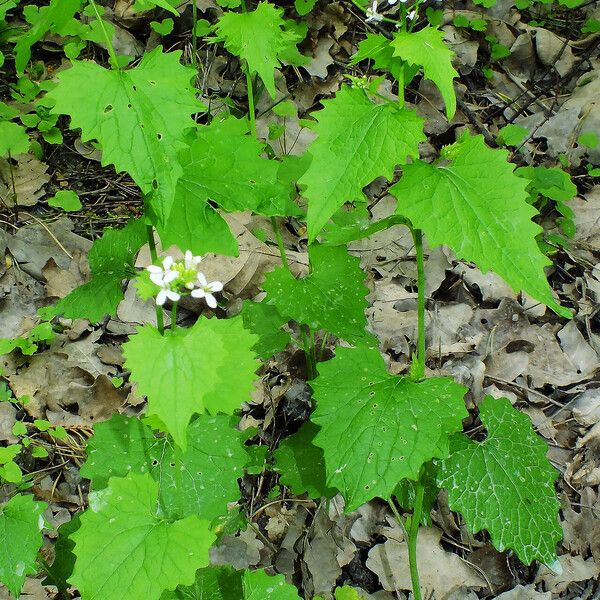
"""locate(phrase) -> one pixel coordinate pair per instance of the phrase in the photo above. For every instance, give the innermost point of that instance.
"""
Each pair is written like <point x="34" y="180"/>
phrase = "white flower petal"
<point x="154" y="269"/>
<point x="173" y="296"/>
<point x="188" y="255"/>
<point x="161" y="297"/>
<point x="215" y="286"/>
<point x="170" y="276"/>
<point x="198" y="293"/>
<point x="202" y="279"/>
<point x="157" y="278"/>
<point x="211" y="301"/>
<point x="167" y="263"/>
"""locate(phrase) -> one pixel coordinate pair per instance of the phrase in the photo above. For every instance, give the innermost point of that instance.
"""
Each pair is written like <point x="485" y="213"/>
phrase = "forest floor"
<point x="478" y="332"/>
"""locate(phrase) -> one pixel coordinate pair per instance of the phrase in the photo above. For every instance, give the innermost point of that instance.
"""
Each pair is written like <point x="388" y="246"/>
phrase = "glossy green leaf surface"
<point x="126" y="549"/>
<point x="377" y="428"/>
<point x="477" y="205"/>
<point x="207" y="368"/>
<point x="505" y="484"/>
<point x="21" y="526"/>
<point x="331" y="298"/>
<point x="426" y="48"/>
<point x="126" y="112"/>
<point x="359" y="141"/>
<point x="111" y="259"/>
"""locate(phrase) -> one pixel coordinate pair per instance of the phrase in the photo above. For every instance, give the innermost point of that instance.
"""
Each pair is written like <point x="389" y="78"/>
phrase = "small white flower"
<point x="191" y="261"/>
<point x="372" y="15"/>
<point x="411" y="14"/>
<point x="165" y="293"/>
<point x="206" y="289"/>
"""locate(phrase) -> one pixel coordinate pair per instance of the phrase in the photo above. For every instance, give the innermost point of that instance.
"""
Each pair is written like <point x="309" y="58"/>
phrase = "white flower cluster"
<point x="374" y="17"/>
<point x="177" y="278"/>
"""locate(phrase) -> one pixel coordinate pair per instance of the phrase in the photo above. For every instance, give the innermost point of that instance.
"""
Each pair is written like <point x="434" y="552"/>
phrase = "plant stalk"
<point x="251" y="109"/>
<point x="418" y="371"/>
<point x="194" y="37"/>
<point x="413" y="534"/>
<point x="280" y="245"/>
<point x="160" y="323"/>
<point x="174" y="316"/>
<point x="109" y="46"/>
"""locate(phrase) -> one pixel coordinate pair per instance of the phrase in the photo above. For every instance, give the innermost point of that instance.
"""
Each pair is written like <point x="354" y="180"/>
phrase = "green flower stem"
<point x="109" y="46"/>
<point x="309" y="352"/>
<point x="174" y="316"/>
<point x="280" y="245"/>
<point x="412" y="540"/>
<point x="194" y="37"/>
<point x="419" y="368"/>
<point x="251" y="109"/>
<point x="160" y="322"/>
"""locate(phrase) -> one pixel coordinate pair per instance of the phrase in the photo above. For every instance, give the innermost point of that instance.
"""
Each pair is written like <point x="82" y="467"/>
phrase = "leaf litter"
<point x="504" y="343"/>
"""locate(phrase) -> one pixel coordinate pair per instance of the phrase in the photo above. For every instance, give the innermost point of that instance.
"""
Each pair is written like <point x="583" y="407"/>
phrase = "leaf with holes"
<point x="210" y="467"/>
<point x="209" y="367"/>
<point x="223" y="165"/>
<point x="111" y="260"/>
<point x="359" y="141"/>
<point x="505" y="484"/>
<point x="126" y="548"/>
<point x="426" y="48"/>
<point x="21" y="526"/>
<point x="259" y="37"/>
<point x="331" y="298"/>
<point x="377" y="428"/>
<point x="477" y="205"/>
<point x="126" y="111"/>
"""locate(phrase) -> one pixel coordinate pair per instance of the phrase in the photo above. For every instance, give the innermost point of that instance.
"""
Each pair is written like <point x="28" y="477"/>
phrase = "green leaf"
<point x="164" y="27"/>
<point x="551" y="182"/>
<point x="259" y="37"/>
<point x="223" y="583"/>
<point x="126" y="549"/>
<point x="223" y="165"/>
<point x="301" y="464"/>
<point x="212" y="583"/>
<point x="126" y="111"/>
<point x="264" y="320"/>
<point x="210" y="467"/>
<point x="68" y="200"/>
<point x="378" y="48"/>
<point x="143" y="5"/>
<point x="512" y="135"/>
<point x="426" y="48"/>
<point x="13" y="139"/>
<point x="356" y="224"/>
<point x="257" y="585"/>
<point x="21" y="526"/>
<point x="331" y="298"/>
<point x="209" y="367"/>
<point x="303" y="7"/>
<point x="478" y="206"/>
<point x="505" y="484"/>
<point x="358" y="141"/>
<point x="589" y="139"/>
<point x="377" y="428"/>
<point x="49" y="18"/>
<point x="348" y="593"/>
<point x="111" y="260"/>
<point x="5" y="7"/>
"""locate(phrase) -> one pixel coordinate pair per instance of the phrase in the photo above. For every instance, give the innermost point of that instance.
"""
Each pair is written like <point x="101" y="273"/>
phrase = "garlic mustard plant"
<point x="165" y="486"/>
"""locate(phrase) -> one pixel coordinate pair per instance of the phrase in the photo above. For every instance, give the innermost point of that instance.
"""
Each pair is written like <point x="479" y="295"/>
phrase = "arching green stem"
<point x="418" y="367"/>
<point x="111" y="50"/>
<point x="160" y="322"/>
<point x="413" y="534"/>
